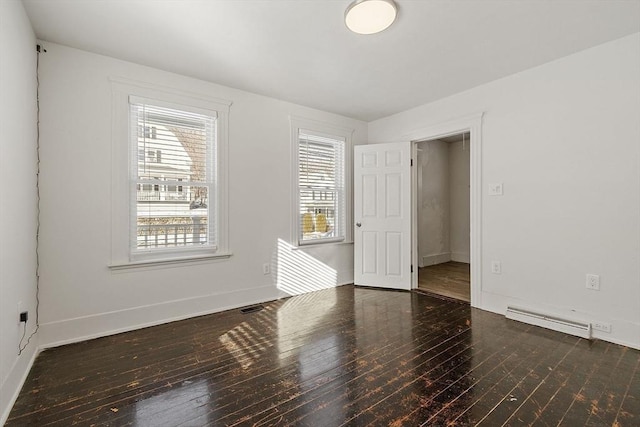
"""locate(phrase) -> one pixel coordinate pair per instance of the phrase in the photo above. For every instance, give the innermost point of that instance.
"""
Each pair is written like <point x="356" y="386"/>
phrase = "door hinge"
<point x="412" y="268"/>
<point x="411" y="162"/>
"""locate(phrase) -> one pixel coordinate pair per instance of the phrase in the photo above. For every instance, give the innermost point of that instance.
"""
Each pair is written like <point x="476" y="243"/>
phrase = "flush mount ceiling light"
<point x="370" y="16"/>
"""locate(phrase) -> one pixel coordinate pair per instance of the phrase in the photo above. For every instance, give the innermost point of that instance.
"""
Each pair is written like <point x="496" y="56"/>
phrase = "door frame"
<point x="472" y="124"/>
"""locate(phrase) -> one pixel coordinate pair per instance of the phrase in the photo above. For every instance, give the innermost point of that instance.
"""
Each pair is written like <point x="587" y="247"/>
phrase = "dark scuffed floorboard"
<point x="338" y="357"/>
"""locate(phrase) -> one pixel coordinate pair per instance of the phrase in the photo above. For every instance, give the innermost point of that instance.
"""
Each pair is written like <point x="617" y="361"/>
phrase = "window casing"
<point x="321" y="185"/>
<point x="169" y="176"/>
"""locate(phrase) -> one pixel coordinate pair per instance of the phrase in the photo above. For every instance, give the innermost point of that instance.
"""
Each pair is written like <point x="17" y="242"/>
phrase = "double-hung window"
<point x="169" y="175"/>
<point x="180" y="147"/>
<point x="321" y="211"/>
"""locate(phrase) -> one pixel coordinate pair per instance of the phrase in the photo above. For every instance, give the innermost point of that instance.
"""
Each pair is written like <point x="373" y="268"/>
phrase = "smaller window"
<point x="321" y="188"/>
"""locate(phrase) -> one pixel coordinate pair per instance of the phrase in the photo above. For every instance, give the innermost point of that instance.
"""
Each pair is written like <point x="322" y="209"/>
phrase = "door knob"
<point x="358" y="224"/>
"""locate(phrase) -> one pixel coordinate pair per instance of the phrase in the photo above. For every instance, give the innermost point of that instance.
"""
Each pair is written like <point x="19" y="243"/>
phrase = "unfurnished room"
<point x="320" y="213"/>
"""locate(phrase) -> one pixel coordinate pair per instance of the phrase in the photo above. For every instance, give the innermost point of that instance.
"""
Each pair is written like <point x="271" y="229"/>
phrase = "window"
<point x="321" y="210"/>
<point x="187" y="141"/>
<point x="169" y="176"/>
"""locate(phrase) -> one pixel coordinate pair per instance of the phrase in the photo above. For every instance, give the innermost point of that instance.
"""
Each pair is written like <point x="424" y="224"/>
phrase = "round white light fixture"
<point x="370" y="16"/>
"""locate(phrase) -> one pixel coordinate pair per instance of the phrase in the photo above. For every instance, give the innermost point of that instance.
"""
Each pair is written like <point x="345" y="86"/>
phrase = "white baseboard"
<point x="344" y="278"/>
<point x="461" y="257"/>
<point x="10" y="388"/>
<point x="436" y="259"/>
<point x="83" y="328"/>
<point x="68" y="331"/>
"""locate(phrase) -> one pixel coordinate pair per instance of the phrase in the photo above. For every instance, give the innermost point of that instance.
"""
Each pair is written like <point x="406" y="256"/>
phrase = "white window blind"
<point x="173" y="172"/>
<point x="321" y="188"/>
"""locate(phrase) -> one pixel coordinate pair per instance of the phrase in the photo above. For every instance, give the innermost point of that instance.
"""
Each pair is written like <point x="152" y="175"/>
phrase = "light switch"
<point x="495" y="189"/>
<point x="496" y="267"/>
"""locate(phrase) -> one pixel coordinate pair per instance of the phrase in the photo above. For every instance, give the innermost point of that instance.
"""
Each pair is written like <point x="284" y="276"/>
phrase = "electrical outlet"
<point x="19" y="310"/>
<point x="593" y="282"/>
<point x="24" y="316"/>
<point x="266" y="268"/>
<point x="601" y="326"/>
<point x="496" y="267"/>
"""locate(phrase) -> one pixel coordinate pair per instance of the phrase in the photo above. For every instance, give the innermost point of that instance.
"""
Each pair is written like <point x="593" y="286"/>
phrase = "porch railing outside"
<point x="158" y="196"/>
<point x="182" y="231"/>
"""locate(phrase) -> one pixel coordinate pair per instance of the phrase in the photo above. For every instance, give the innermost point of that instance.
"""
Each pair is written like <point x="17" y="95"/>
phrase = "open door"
<point x="382" y="215"/>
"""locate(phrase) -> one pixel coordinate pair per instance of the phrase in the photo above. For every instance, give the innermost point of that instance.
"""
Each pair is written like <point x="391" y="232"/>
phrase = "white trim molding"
<point x="434" y="259"/>
<point x="169" y="261"/>
<point x="114" y="322"/>
<point x="121" y="91"/>
<point x="473" y="124"/>
<point x="460" y="257"/>
<point x="17" y="375"/>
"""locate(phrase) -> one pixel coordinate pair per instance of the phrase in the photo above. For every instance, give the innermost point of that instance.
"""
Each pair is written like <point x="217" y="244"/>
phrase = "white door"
<point x="382" y="215"/>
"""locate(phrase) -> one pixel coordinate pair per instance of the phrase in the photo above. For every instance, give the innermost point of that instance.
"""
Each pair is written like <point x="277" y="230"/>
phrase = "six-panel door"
<point x="382" y="215"/>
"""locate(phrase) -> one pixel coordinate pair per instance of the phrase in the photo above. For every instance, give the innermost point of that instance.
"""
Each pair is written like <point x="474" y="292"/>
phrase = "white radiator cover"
<point x="568" y="326"/>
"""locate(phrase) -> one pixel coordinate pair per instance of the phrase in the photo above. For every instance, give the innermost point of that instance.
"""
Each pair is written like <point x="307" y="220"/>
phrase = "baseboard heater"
<point x="571" y="327"/>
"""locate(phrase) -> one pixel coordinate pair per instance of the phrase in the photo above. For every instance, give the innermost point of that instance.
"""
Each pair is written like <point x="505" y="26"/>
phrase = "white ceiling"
<point x="300" y="50"/>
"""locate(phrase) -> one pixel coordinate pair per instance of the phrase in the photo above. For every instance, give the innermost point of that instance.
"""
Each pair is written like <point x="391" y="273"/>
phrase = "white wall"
<point x="564" y="139"/>
<point x="18" y="195"/>
<point x="459" y="223"/>
<point x="443" y="202"/>
<point x="433" y="203"/>
<point x="81" y="296"/>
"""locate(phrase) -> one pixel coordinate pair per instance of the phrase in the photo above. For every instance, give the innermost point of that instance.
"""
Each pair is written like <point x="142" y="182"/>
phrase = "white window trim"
<point x="329" y="130"/>
<point x="121" y="256"/>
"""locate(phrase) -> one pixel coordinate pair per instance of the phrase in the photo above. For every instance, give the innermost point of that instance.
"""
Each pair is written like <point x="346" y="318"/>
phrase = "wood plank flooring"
<point x="339" y="357"/>
<point x="450" y="279"/>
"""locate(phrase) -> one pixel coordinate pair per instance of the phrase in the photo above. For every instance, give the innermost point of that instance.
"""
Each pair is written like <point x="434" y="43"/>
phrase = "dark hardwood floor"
<point x="339" y="357"/>
<point x="450" y="279"/>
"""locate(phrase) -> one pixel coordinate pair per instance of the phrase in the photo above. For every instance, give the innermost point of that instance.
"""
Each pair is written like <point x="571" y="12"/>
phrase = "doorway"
<point x="397" y="264"/>
<point x="443" y="216"/>
<point x="472" y="126"/>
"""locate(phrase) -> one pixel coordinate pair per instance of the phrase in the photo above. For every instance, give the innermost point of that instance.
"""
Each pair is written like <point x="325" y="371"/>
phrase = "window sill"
<point x="169" y="261"/>
<point x="319" y="244"/>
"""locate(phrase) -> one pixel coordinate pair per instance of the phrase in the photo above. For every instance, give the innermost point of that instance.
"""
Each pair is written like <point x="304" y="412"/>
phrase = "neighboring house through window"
<point x="162" y="218"/>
